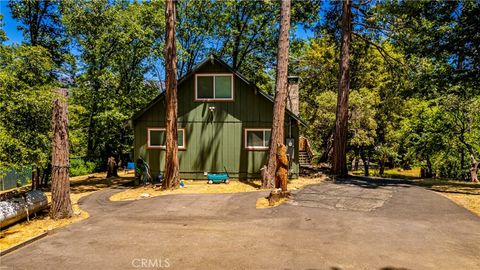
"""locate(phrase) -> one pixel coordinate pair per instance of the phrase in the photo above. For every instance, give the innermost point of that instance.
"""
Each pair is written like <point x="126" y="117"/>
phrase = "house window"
<point x="214" y="87"/>
<point x="257" y="138"/>
<point x="157" y="137"/>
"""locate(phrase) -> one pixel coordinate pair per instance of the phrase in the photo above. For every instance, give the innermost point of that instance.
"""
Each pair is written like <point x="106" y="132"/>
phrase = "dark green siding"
<point x="213" y="141"/>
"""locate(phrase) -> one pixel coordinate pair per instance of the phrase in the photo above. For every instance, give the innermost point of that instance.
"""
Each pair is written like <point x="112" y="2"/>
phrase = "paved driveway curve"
<point x="349" y="225"/>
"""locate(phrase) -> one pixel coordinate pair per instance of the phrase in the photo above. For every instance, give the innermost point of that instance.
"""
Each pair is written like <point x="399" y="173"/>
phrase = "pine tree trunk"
<point x="339" y="166"/>
<point x="277" y="135"/>
<point x="61" y="206"/>
<point x="172" y="179"/>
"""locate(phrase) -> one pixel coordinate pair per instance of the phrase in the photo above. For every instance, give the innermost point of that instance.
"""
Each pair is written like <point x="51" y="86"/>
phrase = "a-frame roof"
<point x="216" y="59"/>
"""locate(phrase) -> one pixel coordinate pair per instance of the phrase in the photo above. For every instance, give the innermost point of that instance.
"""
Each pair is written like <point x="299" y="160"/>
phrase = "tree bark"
<point x="366" y="165"/>
<point x="474" y="164"/>
<point x="277" y="135"/>
<point x="61" y="206"/>
<point x="382" y="166"/>
<point x="35" y="178"/>
<point x="429" y="173"/>
<point x="172" y="179"/>
<point x="112" y="167"/>
<point x="339" y="166"/>
<point x="474" y="169"/>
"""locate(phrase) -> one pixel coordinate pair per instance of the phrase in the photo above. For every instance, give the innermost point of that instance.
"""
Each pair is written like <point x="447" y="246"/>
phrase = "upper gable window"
<point x="214" y="86"/>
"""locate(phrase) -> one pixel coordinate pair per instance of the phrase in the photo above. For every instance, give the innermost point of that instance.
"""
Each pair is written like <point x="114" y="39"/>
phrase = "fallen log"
<point x="21" y="206"/>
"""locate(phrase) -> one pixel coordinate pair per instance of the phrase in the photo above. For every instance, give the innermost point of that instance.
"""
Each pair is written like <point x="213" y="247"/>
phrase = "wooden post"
<point x="61" y="206"/>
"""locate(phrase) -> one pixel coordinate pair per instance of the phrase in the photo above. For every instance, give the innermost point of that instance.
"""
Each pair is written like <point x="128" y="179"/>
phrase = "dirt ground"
<point x="196" y="186"/>
<point x="80" y="186"/>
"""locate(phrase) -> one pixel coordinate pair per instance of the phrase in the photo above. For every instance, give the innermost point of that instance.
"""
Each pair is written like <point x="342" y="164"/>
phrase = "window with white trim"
<point x="257" y="138"/>
<point x="214" y="86"/>
<point x="156" y="138"/>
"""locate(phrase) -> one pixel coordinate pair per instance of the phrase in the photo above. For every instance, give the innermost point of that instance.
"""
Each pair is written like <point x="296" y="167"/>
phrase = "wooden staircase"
<point x="304" y="159"/>
<point x="305" y="153"/>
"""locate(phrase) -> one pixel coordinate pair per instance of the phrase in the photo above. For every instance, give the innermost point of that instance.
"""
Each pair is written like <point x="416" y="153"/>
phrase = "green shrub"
<point x="80" y="167"/>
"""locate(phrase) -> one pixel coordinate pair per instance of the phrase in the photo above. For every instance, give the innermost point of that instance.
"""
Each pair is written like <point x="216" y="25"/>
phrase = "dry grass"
<point x="192" y="186"/>
<point x="401" y="173"/>
<point x="392" y="173"/>
<point x="80" y="186"/>
<point x="97" y="181"/>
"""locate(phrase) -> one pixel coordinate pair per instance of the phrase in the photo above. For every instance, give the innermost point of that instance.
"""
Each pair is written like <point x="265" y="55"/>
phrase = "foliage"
<point x="441" y="44"/>
<point x="414" y="91"/>
<point x="80" y="167"/>
<point x="25" y="102"/>
<point x="41" y="26"/>
<point x="243" y="33"/>
<point x="414" y="85"/>
<point x="317" y="65"/>
<point x="3" y="36"/>
<point x="196" y="23"/>
<point x="117" y="43"/>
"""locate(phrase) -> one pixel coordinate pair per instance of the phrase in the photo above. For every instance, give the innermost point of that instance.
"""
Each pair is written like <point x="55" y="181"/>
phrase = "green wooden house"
<point x="224" y="123"/>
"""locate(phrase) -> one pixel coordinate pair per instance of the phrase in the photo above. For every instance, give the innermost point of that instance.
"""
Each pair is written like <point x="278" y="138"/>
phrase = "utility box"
<point x="290" y="147"/>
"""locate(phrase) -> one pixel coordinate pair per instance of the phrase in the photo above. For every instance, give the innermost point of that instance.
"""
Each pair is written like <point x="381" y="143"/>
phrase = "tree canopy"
<point x="414" y="89"/>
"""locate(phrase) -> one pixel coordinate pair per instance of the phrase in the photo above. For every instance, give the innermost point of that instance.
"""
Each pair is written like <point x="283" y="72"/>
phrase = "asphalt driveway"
<point x="348" y="225"/>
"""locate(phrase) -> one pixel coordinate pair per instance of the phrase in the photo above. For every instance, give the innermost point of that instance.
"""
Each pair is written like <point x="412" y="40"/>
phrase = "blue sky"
<point x="10" y="27"/>
<point x="15" y="36"/>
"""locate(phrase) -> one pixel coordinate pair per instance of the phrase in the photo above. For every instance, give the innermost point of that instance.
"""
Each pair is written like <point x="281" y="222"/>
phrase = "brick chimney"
<point x="293" y="97"/>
